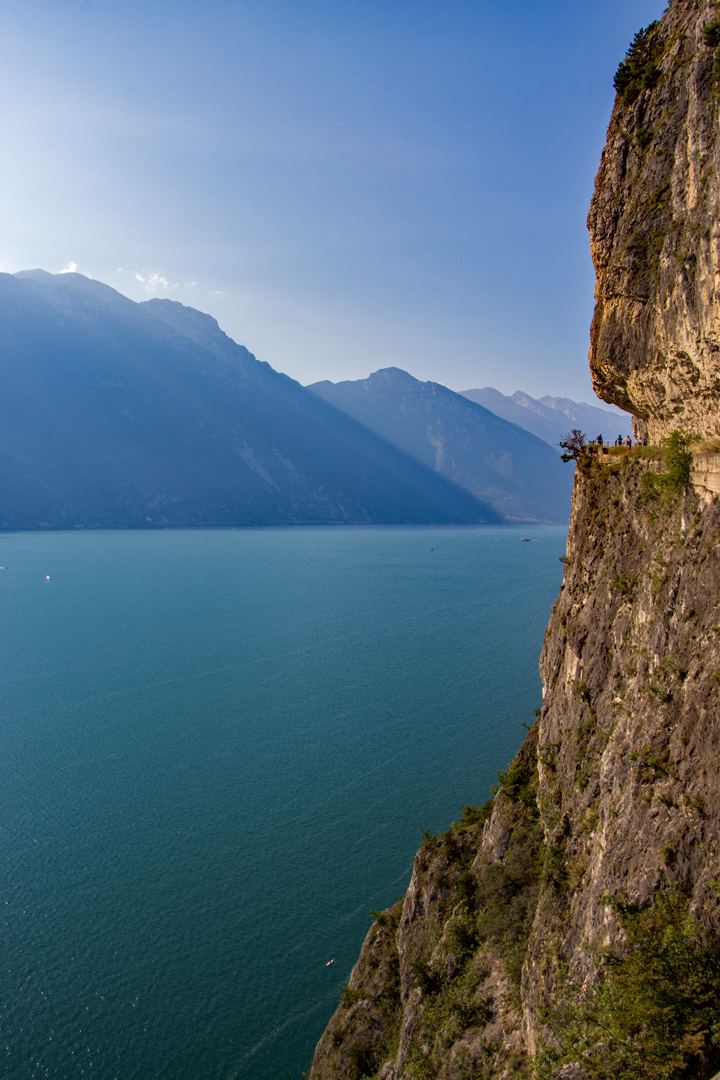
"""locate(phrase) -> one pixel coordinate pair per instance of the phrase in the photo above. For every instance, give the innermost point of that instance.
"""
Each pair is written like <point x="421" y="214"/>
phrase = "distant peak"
<point x="35" y="275"/>
<point x="393" y="374"/>
<point x="382" y="375"/>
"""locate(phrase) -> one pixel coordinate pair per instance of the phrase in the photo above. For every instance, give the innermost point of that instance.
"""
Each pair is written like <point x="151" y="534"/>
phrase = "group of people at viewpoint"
<point x="627" y="441"/>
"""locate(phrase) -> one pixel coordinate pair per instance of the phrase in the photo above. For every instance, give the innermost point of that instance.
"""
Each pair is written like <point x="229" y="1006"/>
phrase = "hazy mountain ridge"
<point x="550" y="418"/>
<point x="498" y="461"/>
<point x="117" y="414"/>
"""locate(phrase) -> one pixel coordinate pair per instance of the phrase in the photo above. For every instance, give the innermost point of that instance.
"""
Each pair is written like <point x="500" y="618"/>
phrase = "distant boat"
<point x="525" y="539"/>
<point x="329" y="963"/>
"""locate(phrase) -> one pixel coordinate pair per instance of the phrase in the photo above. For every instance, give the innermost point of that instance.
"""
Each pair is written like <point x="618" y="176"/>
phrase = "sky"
<point x="344" y="185"/>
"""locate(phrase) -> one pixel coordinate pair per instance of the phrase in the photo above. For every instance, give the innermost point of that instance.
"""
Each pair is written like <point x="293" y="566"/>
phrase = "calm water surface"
<point x="218" y="749"/>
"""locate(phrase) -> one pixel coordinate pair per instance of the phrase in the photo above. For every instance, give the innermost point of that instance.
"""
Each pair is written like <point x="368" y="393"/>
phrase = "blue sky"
<point x="343" y="184"/>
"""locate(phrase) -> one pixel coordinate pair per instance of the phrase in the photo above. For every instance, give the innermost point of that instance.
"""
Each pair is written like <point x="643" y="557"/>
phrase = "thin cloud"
<point x="71" y="268"/>
<point x="155" y="283"/>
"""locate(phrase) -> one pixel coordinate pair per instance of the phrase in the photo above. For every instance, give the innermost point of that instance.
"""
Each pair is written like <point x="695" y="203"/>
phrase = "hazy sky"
<point x="343" y="184"/>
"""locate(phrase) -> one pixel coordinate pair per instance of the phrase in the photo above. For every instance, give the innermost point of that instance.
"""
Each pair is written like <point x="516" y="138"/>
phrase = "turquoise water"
<point x="218" y="750"/>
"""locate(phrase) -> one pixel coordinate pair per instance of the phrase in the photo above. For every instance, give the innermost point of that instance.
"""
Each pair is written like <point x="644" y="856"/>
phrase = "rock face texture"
<point x="614" y="795"/>
<point x="655" y="341"/>
<point x="613" y="802"/>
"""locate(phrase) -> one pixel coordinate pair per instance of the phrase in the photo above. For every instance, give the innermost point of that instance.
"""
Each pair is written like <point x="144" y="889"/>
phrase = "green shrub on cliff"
<point x="655" y="1012"/>
<point x="639" y="70"/>
<point x="711" y="34"/>
<point x="678" y="462"/>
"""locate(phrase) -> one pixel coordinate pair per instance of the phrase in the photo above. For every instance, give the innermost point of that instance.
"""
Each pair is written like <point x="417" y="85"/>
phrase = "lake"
<point x="218" y="750"/>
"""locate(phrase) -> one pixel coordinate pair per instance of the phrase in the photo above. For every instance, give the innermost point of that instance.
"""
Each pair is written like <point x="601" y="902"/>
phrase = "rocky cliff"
<point x="654" y="229"/>
<point x="614" y="796"/>
<point x="569" y="927"/>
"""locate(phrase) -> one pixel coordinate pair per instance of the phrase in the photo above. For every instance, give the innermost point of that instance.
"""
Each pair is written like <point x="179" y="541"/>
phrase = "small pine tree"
<point x="639" y="70"/>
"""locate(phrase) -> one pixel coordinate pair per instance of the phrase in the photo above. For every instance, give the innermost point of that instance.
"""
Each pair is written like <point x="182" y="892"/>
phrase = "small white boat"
<point x="329" y="963"/>
<point x="524" y="539"/>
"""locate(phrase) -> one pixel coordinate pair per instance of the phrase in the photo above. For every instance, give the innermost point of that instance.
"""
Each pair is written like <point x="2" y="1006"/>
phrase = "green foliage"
<point x="655" y="765"/>
<point x="583" y="691"/>
<point x="554" y="869"/>
<point x="639" y="70"/>
<point x="507" y="895"/>
<point x="429" y="839"/>
<point x="574" y="445"/>
<point x="644" y="138"/>
<point x="423" y="976"/>
<point x="450" y="1008"/>
<point x="467" y="889"/>
<point x="382" y="918"/>
<point x="361" y="1051"/>
<point x="711" y="34"/>
<point x="658" y="198"/>
<point x="679" y="462"/>
<point x="475" y="815"/>
<point x="350" y="997"/>
<point x="655" y="1011"/>
<point x="366" y="1059"/>
<point x="519" y="783"/>
<point x="626" y="585"/>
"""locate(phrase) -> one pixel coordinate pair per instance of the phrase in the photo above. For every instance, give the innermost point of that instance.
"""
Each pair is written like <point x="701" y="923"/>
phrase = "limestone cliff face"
<point x="655" y="341"/>
<point x="614" y="794"/>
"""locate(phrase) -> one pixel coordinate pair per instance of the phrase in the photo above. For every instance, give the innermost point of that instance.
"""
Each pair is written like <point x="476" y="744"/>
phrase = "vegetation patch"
<point x="711" y="34"/>
<point x="625" y="584"/>
<point x="639" y="69"/>
<point x="678" y="465"/>
<point x="652" y="453"/>
<point x="711" y="37"/>
<point x="655" y="1010"/>
<point x="706" y="446"/>
<point x="450" y="1009"/>
<point x="644" y="138"/>
<point x="368" y="1034"/>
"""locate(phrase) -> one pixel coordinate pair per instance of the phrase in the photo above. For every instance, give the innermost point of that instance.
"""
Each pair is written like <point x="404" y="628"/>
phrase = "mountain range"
<point x="116" y="414"/>
<point x="501" y="463"/>
<point x="122" y="414"/>
<point x="550" y="418"/>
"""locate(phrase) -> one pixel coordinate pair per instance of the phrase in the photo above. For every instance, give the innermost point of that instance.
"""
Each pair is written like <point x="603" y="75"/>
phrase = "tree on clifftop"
<point x="574" y="444"/>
